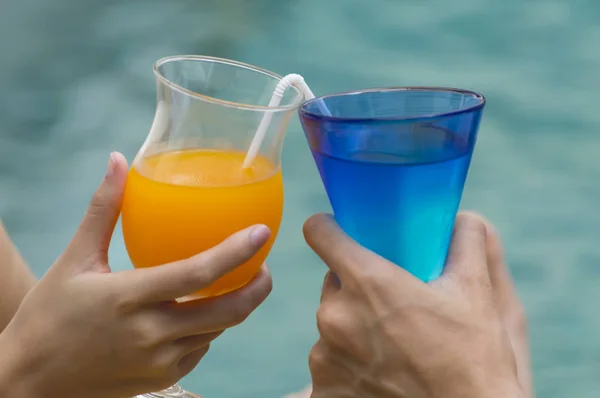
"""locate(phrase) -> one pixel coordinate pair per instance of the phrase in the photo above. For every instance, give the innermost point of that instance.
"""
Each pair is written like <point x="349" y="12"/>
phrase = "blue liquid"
<point x="400" y="206"/>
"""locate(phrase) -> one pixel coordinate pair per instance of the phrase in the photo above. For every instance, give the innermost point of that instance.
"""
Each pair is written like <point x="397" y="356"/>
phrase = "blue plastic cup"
<point x="394" y="163"/>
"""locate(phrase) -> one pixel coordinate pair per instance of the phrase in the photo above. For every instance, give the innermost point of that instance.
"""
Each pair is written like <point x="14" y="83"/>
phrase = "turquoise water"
<point x="76" y="83"/>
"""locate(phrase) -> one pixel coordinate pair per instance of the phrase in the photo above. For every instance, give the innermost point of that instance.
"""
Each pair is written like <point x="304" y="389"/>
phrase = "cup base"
<point x="171" y="392"/>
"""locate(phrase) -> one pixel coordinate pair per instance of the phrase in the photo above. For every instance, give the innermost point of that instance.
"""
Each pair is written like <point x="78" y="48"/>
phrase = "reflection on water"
<point x="76" y="83"/>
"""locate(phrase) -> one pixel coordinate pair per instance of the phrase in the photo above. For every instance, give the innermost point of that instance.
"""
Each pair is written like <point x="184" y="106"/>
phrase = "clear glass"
<point x="172" y="392"/>
<point x="186" y="190"/>
<point x="394" y="163"/>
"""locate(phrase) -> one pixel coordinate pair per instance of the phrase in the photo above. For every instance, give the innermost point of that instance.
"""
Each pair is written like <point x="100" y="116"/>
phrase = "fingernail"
<point x="111" y="165"/>
<point x="259" y="235"/>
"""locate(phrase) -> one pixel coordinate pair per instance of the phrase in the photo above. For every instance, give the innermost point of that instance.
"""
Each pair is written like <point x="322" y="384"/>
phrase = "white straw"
<point x="289" y="80"/>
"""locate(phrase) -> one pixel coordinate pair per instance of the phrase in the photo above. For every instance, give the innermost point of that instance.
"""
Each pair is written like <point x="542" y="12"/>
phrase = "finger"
<point x="96" y="229"/>
<point x="467" y="258"/>
<point x="523" y="359"/>
<point x="346" y="258"/>
<point x="331" y="369"/>
<point x="181" y="278"/>
<point x="174" y="351"/>
<point x="190" y="361"/>
<point x="212" y="315"/>
<point x="509" y="307"/>
<point x="339" y="252"/>
<point x="505" y="294"/>
<point x="331" y="285"/>
<point x="343" y="327"/>
<point x="189" y="344"/>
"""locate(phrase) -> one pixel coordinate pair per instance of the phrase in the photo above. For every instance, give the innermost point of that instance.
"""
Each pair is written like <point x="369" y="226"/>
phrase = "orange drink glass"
<point x="186" y="190"/>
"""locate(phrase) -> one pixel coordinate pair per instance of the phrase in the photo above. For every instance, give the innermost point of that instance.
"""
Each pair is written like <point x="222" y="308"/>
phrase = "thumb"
<point x="94" y="234"/>
<point x="352" y="263"/>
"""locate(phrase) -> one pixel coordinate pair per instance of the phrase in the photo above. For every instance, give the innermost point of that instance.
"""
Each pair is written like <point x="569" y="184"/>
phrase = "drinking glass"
<point x="187" y="191"/>
<point x="394" y="162"/>
<point x="171" y="392"/>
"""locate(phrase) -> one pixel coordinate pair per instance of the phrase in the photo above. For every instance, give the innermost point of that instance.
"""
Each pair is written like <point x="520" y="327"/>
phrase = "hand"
<point x="386" y="334"/>
<point x="510" y="309"/>
<point x="84" y="331"/>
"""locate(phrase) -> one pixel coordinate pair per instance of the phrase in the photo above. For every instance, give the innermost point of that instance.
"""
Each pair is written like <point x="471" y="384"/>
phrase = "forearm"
<point x="16" y="279"/>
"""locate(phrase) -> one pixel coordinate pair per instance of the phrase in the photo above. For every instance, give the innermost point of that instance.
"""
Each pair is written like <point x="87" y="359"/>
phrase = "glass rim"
<point x="230" y="104"/>
<point x="478" y="106"/>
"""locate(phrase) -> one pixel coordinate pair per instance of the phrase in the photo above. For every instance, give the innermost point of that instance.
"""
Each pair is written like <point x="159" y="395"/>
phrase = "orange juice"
<point x="180" y="203"/>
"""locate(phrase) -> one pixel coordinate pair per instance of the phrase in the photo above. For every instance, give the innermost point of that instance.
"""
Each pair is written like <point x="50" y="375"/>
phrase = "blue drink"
<point x="393" y="176"/>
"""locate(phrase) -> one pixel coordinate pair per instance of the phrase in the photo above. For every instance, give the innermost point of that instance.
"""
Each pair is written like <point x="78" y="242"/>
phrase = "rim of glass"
<point x="480" y="104"/>
<point x="231" y="104"/>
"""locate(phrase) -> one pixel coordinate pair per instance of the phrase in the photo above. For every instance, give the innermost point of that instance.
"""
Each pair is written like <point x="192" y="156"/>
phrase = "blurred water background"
<point x="76" y="83"/>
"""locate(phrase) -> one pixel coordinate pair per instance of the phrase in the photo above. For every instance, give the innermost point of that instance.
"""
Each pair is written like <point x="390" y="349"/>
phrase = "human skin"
<point x="85" y="331"/>
<point x="16" y="279"/>
<point x="383" y="333"/>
